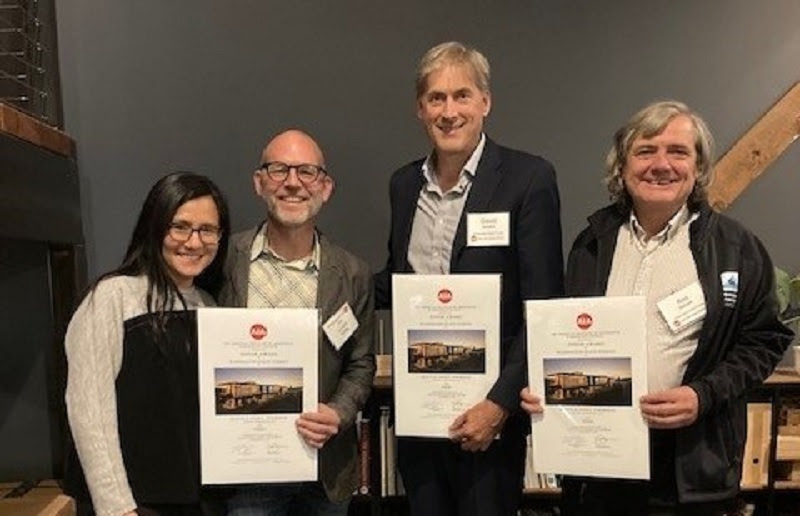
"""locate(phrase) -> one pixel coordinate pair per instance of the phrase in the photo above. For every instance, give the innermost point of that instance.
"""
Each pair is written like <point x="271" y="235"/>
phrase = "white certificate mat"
<point x="446" y="348"/>
<point x="587" y="359"/>
<point x="257" y="373"/>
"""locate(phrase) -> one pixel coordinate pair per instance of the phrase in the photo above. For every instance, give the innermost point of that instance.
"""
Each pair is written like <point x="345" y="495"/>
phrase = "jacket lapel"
<point x="484" y="184"/>
<point x="330" y="280"/>
<point x="240" y="268"/>
<point x="606" y="224"/>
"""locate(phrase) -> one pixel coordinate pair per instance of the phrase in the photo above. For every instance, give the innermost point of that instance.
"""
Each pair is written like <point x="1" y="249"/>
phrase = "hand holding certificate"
<point x="672" y="408"/>
<point x="476" y="428"/>
<point x="317" y="427"/>
<point x="587" y="363"/>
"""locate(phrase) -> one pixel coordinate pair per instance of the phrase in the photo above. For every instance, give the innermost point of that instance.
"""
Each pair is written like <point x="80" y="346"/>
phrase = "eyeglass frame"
<point x="320" y="172"/>
<point x="182" y="226"/>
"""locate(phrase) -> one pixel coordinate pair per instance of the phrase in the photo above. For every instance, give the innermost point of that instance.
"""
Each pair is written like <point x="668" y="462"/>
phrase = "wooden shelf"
<point x="382" y="382"/>
<point x="43" y="497"/>
<point x="7" y="487"/>
<point x="25" y="127"/>
<point x="787" y="484"/>
<point x="783" y="376"/>
<point x="788" y="448"/>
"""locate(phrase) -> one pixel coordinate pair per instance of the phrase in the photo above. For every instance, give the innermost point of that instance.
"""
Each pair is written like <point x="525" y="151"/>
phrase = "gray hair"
<point x="649" y="122"/>
<point x="453" y="53"/>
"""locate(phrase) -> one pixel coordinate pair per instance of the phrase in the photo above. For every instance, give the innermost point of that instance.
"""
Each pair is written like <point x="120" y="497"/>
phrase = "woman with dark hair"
<point x="132" y="397"/>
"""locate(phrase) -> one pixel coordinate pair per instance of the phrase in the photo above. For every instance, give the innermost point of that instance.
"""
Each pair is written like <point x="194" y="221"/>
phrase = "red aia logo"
<point x="445" y="296"/>
<point x="258" y="331"/>
<point x="584" y="321"/>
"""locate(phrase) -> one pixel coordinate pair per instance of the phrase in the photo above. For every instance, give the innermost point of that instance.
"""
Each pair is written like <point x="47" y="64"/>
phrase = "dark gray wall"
<point x="26" y="362"/>
<point x="150" y="86"/>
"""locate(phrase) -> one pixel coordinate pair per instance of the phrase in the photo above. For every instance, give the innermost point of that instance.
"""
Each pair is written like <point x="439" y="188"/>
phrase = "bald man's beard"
<point x="293" y="216"/>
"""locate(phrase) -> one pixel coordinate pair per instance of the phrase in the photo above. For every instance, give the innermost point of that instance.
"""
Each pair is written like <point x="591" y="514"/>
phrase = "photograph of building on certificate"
<point x="262" y="390"/>
<point x="588" y="381"/>
<point x="446" y="351"/>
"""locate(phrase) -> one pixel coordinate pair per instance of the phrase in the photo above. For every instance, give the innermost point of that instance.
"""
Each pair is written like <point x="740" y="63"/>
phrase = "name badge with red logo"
<point x="488" y="229"/>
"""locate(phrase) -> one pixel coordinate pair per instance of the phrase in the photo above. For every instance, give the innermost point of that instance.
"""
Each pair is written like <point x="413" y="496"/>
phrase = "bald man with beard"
<point x="286" y="262"/>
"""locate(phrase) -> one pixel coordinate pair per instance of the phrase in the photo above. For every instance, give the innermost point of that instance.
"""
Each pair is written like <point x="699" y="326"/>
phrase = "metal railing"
<point x="29" y="59"/>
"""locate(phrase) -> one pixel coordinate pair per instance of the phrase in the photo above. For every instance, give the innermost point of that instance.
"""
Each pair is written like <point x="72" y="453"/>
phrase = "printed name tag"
<point x="340" y="326"/>
<point x="683" y="308"/>
<point x="487" y="229"/>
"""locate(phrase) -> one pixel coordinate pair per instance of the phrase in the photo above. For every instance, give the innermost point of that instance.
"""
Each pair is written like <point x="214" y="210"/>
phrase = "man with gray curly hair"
<point x="659" y="239"/>
<point x="648" y="123"/>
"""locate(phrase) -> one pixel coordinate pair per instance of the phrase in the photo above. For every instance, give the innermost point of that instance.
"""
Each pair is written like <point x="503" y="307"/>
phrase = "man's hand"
<point x="317" y="427"/>
<point x="531" y="403"/>
<point x="476" y="428"/>
<point x="673" y="408"/>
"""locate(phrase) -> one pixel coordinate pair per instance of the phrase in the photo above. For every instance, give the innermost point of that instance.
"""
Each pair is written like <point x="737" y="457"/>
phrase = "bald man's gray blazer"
<point x="345" y="376"/>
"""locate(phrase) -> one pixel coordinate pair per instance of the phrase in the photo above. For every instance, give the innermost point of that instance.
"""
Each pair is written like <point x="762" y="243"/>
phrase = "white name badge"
<point x="683" y="308"/>
<point x="487" y="229"/>
<point x="340" y="326"/>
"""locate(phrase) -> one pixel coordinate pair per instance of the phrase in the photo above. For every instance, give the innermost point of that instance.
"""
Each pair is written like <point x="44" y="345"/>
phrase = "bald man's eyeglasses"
<point x="306" y="172"/>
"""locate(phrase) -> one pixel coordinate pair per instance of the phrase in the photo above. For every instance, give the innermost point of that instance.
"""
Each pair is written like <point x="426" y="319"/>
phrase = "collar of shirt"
<point x="665" y="235"/>
<point x="261" y="248"/>
<point x="467" y="173"/>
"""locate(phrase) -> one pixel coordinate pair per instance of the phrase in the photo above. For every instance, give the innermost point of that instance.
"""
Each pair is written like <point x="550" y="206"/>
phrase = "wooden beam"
<point x="25" y="127"/>
<point x="756" y="448"/>
<point x="756" y="150"/>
